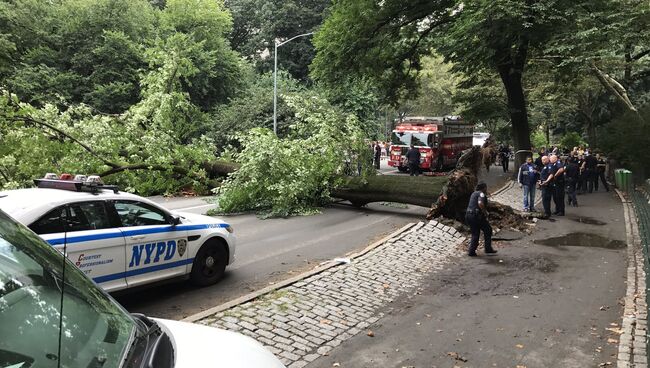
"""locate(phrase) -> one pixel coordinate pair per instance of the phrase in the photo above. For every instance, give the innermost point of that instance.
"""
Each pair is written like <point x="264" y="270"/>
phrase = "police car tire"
<point x="204" y="275"/>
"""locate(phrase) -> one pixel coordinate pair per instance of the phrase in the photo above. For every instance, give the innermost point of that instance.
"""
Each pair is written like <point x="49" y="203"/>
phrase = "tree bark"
<point x="511" y="72"/>
<point x="416" y="190"/>
<point x="614" y="87"/>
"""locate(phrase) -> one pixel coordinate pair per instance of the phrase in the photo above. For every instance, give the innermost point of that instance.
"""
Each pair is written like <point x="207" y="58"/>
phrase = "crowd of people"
<point x="561" y="174"/>
<point x="558" y="174"/>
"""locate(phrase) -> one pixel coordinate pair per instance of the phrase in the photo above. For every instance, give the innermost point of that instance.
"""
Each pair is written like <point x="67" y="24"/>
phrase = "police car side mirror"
<point x="175" y="220"/>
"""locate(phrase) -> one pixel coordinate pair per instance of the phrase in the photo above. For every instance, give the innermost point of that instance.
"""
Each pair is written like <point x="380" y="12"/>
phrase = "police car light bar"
<point x="75" y="186"/>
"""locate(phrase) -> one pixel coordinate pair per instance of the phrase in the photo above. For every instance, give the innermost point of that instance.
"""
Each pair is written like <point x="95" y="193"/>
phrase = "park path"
<point x="554" y="298"/>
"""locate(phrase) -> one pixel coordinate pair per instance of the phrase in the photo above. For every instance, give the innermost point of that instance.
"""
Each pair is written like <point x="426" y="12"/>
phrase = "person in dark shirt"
<point x="558" y="188"/>
<point x="591" y="165"/>
<point x="602" y="165"/>
<point x="572" y="174"/>
<point x="582" y="178"/>
<point x="504" y="154"/>
<point x="413" y="156"/>
<point x="527" y="179"/>
<point x="476" y="217"/>
<point x="546" y="184"/>
<point x="377" y="155"/>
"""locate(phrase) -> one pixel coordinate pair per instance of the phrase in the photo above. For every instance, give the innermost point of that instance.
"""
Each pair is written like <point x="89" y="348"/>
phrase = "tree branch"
<point x="30" y="120"/>
<point x="641" y="54"/>
<point x="613" y="87"/>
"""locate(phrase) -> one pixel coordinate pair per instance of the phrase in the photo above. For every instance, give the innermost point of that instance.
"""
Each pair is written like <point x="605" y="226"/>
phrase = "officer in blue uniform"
<point x="413" y="156"/>
<point x="557" y="169"/>
<point x="477" y="219"/>
<point x="546" y="184"/>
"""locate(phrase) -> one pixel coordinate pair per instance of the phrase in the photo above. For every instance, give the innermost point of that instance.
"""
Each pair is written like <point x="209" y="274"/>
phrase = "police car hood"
<point x="202" y="346"/>
<point x="193" y="218"/>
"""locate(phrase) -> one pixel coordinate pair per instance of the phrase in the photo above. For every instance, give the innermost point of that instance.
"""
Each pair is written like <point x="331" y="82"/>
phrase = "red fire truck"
<point x="441" y="140"/>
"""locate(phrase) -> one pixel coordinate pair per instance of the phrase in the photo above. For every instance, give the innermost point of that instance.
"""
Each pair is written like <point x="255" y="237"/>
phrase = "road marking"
<point x="194" y="207"/>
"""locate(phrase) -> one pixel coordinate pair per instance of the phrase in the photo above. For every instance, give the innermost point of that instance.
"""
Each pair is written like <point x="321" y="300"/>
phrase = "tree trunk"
<point x="416" y="190"/>
<point x="511" y="75"/>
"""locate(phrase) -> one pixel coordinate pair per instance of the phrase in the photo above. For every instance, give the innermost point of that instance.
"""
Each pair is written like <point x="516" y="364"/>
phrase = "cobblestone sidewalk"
<point x="307" y="319"/>
<point x="511" y="195"/>
<point x="632" y="350"/>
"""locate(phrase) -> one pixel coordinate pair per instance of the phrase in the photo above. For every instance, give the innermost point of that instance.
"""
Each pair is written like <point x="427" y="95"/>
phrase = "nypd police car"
<point x="121" y="240"/>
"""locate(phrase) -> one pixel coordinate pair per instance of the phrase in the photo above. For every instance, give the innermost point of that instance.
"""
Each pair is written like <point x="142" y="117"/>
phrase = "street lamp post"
<point x="275" y="79"/>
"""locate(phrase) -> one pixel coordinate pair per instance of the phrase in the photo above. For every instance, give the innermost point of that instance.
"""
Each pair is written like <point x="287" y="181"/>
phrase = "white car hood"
<point x="198" y="219"/>
<point x="202" y="346"/>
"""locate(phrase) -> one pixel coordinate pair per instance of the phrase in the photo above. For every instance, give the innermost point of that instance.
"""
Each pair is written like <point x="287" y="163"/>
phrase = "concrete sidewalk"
<point x="538" y="303"/>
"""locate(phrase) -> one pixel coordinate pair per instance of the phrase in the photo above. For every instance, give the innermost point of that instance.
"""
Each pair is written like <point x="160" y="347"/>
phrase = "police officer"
<point x="559" y="186"/>
<point x="477" y="219"/>
<point x="413" y="156"/>
<point x="572" y="174"/>
<point x="546" y="184"/>
<point x="591" y="165"/>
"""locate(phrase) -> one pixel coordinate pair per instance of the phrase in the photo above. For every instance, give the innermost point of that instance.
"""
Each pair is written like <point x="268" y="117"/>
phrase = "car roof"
<point x="27" y="205"/>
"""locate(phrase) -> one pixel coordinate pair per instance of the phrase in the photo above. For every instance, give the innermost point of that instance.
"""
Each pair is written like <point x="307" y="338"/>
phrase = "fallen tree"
<point x="415" y="190"/>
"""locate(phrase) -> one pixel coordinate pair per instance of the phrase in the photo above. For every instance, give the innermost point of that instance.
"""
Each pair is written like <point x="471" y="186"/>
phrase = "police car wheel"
<point x="209" y="264"/>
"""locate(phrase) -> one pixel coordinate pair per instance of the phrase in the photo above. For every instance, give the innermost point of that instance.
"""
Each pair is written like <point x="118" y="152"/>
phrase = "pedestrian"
<point x="504" y="153"/>
<point x="546" y="185"/>
<point x="591" y="165"/>
<point x="601" y="167"/>
<point x="377" y="156"/>
<point x="572" y="175"/>
<point x="413" y="157"/>
<point x="527" y="178"/>
<point x="582" y="177"/>
<point x="559" y="184"/>
<point x="477" y="219"/>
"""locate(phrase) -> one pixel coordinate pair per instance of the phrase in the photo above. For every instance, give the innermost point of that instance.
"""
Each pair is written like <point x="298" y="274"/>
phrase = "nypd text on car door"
<point x="88" y="232"/>
<point x="155" y="247"/>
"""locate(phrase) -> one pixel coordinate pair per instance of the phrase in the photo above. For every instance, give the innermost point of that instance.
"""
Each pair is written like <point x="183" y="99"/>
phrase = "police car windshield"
<point x="96" y="331"/>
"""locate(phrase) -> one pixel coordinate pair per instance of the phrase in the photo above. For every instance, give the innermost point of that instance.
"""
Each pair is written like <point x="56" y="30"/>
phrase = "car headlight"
<point x="230" y="229"/>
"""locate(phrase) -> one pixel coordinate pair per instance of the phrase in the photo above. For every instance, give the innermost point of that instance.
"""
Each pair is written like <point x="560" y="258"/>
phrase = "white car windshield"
<point x="96" y="331"/>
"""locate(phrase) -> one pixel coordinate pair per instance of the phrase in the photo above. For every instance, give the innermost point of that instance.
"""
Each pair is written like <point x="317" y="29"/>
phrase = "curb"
<point x="507" y="186"/>
<point x="632" y="342"/>
<point x="293" y="280"/>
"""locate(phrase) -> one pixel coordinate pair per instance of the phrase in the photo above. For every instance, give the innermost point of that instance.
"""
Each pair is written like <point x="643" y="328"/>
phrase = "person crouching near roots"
<point x="527" y="178"/>
<point x="477" y="219"/>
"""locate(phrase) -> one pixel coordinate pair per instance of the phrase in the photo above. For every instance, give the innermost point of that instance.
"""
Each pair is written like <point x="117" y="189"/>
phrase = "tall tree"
<point x="258" y="24"/>
<point x="610" y="40"/>
<point x="388" y="39"/>
<point x="76" y="50"/>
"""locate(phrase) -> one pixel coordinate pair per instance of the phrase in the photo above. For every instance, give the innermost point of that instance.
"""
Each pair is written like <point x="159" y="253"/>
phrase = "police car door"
<point x="92" y="241"/>
<point x="155" y="248"/>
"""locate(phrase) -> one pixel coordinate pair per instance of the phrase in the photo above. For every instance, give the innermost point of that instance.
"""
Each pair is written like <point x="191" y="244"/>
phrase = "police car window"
<point x="139" y="214"/>
<point x="97" y="332"/>
<point x="51" y="223"/>
<point x="88" y="216"/>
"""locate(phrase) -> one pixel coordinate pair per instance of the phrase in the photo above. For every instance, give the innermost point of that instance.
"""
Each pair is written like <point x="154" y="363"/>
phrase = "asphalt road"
<point x="271" y="250"/>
